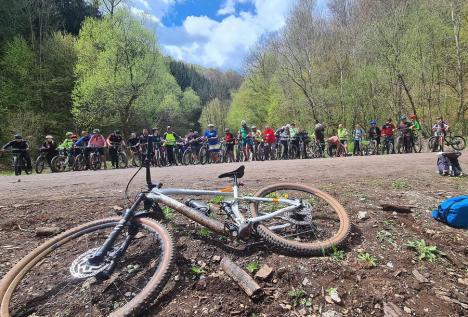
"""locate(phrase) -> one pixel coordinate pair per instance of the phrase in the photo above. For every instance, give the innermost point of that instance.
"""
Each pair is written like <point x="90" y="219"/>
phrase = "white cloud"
<point x="143" y="14"/>
<point x="224" y="43"/>
<point x="145" y="4"/>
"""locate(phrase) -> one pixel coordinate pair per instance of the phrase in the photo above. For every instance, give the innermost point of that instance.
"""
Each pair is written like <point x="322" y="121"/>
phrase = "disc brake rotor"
<point x="301" y="216"/>
<point x="81" y="268"/>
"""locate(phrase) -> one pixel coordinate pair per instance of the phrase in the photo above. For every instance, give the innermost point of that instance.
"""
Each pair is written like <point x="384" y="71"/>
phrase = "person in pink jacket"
<point x="97" y="141"/>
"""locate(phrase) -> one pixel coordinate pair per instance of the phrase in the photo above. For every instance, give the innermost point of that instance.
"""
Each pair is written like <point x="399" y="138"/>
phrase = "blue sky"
<point x="213" y="33"/>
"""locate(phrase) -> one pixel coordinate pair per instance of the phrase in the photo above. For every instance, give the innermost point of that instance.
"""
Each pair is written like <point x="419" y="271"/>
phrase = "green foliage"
<point x="425" y="252"/>
<point x="298" y="298"/>
<point x="215" y="112"/>
<point x="252" y="267"/>
<point x="205" y="232"/>
<point x="367" y="258"/>
<point x="168" y="213"/>
<point x="218" y="199"/>
<point x="331" y="290"/>
<point x="385" y="236"/>
<point x="337" y="255"/>
<point x="196" y="271"/>
<point x="401" y="184"/>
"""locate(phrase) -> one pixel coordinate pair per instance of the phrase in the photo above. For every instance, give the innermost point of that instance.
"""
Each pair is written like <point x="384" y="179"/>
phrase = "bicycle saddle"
<point x="238" y="173"/>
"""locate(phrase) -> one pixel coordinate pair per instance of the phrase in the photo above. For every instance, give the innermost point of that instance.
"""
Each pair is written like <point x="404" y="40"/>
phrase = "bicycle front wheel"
<point x="56" y="279"/>
<point x="123" y="160"/>
<point x="40" y="163"/>
<point x="313" y="229"/>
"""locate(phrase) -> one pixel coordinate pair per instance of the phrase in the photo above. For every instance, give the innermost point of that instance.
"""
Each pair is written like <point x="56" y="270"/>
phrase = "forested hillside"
<point x="364" y="60"/>
<point x="78" y="64"/>
<point x="67" y="65"/>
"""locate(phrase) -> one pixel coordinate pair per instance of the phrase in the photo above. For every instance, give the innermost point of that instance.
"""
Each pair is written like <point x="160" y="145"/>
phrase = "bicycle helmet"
<point x="68" y="134"/>
<point x="373" y="122"/>
<point x="226" y="130"/>
<point x="243" y="123"/>
<point x="211" y="125"/>
<point x="412" y="116"/>
<point x="254" y="127"/>
<point x="402" y="117"/>
<point x="18" y="137"/>
<point x="49" y="136"/>
<point x="96" y="131"/>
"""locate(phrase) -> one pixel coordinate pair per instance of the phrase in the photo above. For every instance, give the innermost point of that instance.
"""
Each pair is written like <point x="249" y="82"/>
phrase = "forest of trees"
<point x="67" y="65"/>
<point x="80" y="64"/>
<point x="366" y="59"/>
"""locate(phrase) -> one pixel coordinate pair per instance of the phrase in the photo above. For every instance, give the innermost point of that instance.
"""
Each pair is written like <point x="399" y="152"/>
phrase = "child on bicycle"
<point x="21" y="147"/>
<point x="49" y="148"/>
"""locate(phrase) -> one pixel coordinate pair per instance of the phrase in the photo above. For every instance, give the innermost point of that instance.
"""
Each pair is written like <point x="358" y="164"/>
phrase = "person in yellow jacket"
<point x="343" y="137"/>
<point x="170" y="140"/>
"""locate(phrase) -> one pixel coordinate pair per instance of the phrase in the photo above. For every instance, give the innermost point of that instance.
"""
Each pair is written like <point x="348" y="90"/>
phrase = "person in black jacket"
<point x="20" y="146"/>
<point x="49" y="148"/>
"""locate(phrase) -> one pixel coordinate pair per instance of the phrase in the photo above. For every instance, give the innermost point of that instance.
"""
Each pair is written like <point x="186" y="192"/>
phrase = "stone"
<point x="331" y="313"/>
<point x="392" y="310"/>
<point x="420" y="277"/>
<point x="407" y="310"/>
<point x="362" y="215"/>
<point x="216" y="258"/>
<point x="117" y="208"/>
<point x="305" y="281"/>
<point x="463" y="281"/>
<point x="47" y="231"/>
<point x="264" y="272"/>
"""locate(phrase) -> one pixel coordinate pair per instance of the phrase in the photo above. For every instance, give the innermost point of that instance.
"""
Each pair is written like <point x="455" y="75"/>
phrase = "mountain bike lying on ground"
<point x="117" y="266"/>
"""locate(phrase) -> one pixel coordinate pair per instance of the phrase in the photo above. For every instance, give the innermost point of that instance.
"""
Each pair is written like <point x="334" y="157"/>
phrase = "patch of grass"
<point x="425" y="252"/>
<point x="337" y="255"/>
<point x="367" y="258"/>
<point x="196" y="271"/>
<point x="168" y="213"/>
<point x="204" y="232"/>
<point x="401" y="184"/>
<point x="389" y="223"/>
<point x="385" y="236"/>
<point x="217" y="199"/>
<point x="252" y="267"/>
<point x="298" y="298"/>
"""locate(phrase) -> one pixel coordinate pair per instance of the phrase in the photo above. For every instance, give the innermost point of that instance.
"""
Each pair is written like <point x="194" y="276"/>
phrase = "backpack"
<point x="453" y="211"/>
<point x="447" y="164"/>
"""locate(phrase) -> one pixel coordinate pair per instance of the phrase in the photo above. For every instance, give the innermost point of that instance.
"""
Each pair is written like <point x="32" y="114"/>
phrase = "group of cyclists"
<point x="247" y="143"/>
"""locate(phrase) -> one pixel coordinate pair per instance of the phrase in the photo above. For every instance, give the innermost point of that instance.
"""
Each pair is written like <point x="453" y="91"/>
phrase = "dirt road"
<point x="361" y="184"/>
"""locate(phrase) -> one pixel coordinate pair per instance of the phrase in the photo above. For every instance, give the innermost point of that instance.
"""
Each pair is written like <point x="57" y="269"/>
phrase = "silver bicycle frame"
<point x="163" y="196"/>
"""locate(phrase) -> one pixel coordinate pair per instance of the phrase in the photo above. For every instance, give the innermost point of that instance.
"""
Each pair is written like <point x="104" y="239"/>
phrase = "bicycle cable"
<point x="128" y="184"/>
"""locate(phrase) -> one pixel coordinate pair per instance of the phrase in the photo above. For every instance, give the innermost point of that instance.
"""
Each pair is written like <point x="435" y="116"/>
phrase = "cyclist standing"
<point x="269" y="139"/>
<point x="343" y="137"/>
<point x="170" y="140"/>
<point x="257" y="140"/>
<point x="404" y="129"/>
<point x="358" y="134"/>
<point x="98" y="142"/>
<point x="440" y="128"/>
<point x="320" y="135"/>
<point x="284" y="139"/>
<point x="374" y="133"/>
<point x="114" y="142"/>
<point x="229" y="142"/>
<point x="293" y="134"/>
<point x="245" y="137"/>
<point x="20" y="146"/>
<point x="213" y="143"/>
<point x="387" y="133"/>
<point x="49" y="148"/>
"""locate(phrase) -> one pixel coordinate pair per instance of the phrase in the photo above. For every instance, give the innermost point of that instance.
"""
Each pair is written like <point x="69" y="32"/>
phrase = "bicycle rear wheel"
<point x="314" y="229"/>
<point x="56" y="278"/>
<point x="457" y="143"/>
<point x="59" y="163"/>
<point x="123" y="160"/>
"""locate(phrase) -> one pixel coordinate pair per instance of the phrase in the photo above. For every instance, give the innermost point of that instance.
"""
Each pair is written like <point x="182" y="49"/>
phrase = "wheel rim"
<point x="328" y="223"/>
<point x="122" y="288"/>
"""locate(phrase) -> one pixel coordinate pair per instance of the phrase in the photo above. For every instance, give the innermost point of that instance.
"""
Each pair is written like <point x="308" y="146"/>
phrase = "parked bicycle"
<point x="117" y="266"/>
<point x="436" y="143"/>
<point x="18" y="162"/>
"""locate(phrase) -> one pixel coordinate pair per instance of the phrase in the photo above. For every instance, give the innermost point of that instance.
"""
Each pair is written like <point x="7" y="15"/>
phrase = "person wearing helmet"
<point x="319" y="130"/>
<point x="387" y="133"/>
<point x="293" y="135"/>
<point x="415" y="122"/>
<point x="229" y="141"/>
<point x="404" y="139"/>
<point x="97" y="142"/>
<point x="283" y="136"/>
<point x="115" y="142"/>
<point x="193" y="140"/>
<point x="68" y="143"/>
<point x="257" y="141"/>
<point x="245" y="138"/>
<point x="440" y="128"/>
<point x="19" y="146"/>
<point x="170" y="140"/>
<point x="49" y="148"/>
<point x="269" y="140"/>
<point x="374" y="134"/>
<point x="214" y="146"/>
<point x="343" y="134"/>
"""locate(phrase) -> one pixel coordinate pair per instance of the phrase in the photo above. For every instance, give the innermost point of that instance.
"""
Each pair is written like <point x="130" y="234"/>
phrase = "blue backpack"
<point x="453" y="211"/>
